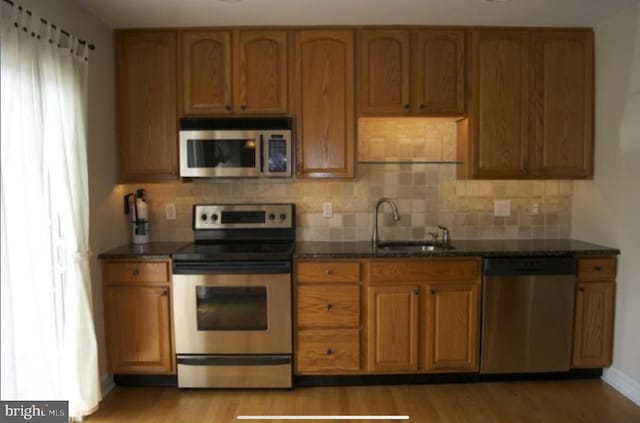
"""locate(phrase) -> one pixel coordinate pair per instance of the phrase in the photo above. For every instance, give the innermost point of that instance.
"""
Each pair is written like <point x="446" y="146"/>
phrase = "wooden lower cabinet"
<point x="423" y="315"/>
<point x="593" y="321"/>
<point x="393" y="328"/>
<point x="451" y="336"/>
<point x="137" y="307"/>
<point x="328" y="350"/>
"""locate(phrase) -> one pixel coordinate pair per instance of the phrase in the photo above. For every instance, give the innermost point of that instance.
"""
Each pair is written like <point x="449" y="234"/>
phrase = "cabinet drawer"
<point x="137" y="271"/>
<point x="328" y="306"/>
<point x="328" y="271"/>
<point x="597" y="268"/>
<point x="423" y="270"/>
<point x="328" y="350"/>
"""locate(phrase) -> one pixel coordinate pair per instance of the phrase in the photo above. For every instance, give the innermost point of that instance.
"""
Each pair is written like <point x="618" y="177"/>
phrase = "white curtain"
<point x="49" y="348"/>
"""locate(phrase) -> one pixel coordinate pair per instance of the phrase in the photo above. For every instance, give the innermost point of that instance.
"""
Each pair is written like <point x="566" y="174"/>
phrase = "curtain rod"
<point x="44" y="21"/>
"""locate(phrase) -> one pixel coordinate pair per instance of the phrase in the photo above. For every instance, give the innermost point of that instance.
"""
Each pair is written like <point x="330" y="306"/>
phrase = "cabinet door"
<point x="451" y="341"/>
<point x="146" y="110"/>
<point x="138" y="330"/>
<point x="392" y="328"/>
<point x="593" y="330"/>
<point x="384" y="71"/>
<point x="206" y="72"/>
<point x="562" y="90"/>
<point x="499" y="113"/>
<point x="324" y="103"/>
<point x="261" y="60"/>
<point x="439" y="72"/>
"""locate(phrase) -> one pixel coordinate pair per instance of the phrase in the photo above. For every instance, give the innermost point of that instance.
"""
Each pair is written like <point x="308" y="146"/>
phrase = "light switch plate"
<point x="327" y="209"/>
<point x="502" y="208"/>
<point x="170" y="211"/>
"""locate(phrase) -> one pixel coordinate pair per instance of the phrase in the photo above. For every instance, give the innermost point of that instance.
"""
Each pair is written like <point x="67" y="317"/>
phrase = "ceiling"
<point x="169" y="13"/>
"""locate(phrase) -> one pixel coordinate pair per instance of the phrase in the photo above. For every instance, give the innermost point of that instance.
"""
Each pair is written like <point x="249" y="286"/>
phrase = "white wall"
<point x="107" y="225"/>
<point x="607" y="209"/>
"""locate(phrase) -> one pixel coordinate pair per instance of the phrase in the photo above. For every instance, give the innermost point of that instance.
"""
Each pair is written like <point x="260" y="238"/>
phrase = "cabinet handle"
<point x="243" y="107"/>
<point x="597" y="268"/>
<point x="135" y="272"/>
<point x="228" y="107"/>
<point x="329" y="351"/>
<point x="329" y="306"/>
<point x="328" y="272"/>
<point x="421" y="106"/>
<point x="165" y="292"/>
<point x="581" y="289"/>
<point x="416" y="291"/>
<point x="406" y="107"/>
<point x="432" y="291"/>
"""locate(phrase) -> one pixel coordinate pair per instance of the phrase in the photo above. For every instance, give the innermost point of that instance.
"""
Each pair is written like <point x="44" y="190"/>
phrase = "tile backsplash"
<point x="426" y="194"/>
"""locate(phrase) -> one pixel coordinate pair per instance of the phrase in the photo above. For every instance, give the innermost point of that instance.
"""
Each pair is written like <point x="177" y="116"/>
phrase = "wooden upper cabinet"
<point x="384" y="71"/>
<point x="499" y="112"/>
<point x="562" y="101"/>
<point x="411" y="72"/>
<point x="439" y="72"/>
<point x="324" y="92"/>
<point x="146" y="105"/>
<point x="261" y="63"/>
<point x="206" y="72"/>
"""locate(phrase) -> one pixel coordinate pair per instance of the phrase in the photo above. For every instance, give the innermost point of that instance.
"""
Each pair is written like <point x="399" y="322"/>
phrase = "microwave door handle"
<point x="261" y="153"/>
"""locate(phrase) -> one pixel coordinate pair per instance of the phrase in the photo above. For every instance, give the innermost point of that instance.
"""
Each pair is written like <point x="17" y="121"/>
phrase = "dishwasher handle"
<point x="514" y="266"/>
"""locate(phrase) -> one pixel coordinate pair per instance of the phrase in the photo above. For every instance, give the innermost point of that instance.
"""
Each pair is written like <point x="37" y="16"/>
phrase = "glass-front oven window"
<point x="220" y="153"/>
<point x="231" y="308"/>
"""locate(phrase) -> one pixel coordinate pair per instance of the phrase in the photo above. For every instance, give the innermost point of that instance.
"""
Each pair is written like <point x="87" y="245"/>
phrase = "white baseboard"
<point x="623" y="383"/>
<point x="107" y="384"/>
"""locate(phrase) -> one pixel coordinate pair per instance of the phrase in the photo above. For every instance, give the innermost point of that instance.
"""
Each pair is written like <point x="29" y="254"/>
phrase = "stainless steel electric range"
<point x="232" y="297"/>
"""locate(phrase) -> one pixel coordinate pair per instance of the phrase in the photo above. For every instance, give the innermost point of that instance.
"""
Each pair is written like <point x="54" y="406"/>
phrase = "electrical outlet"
<point x="502" y="208"/>
<point x="327" y="209"/>
<point x="535" y="208"/>
<point x="170" y="211"/>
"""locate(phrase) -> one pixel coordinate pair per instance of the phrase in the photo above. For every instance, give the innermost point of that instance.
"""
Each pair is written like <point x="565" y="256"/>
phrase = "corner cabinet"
<point x="137" y="307"/>
<point x="531" y="105"/>
<point x="593" y="324"/>
<point x="418" y="72"/>
<point x="258" y="83"/>
<point x="146" y="105"/>
<point x="423" y="315"/>
<point x="324" y="103"/>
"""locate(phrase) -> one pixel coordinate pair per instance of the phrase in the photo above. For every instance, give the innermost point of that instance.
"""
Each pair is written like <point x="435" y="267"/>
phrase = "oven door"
<point x="224" y="153"/>
<point x="232" y="313"/>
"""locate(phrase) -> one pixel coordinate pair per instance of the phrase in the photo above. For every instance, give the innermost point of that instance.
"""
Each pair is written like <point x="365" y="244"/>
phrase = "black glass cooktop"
<point x="235" y="251"/>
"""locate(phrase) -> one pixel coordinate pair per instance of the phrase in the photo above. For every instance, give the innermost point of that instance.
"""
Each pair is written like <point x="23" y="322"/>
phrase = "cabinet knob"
<point x="228" y="107"/>
<point x="432" y="291"/>
<point x="406" y="107"/>
<point x="581" y="289"/>
<point x="421" y="106"/>
<point x="329" y="306"/>
<point x="135" y="272"/>
<point x="416" y="291"/>
<point x="597" y="268"/>
<point x="328" y="272"/>
<point x="165" y="292"/>
<point x="329" y="351"/>
<point x="243" y="107"/>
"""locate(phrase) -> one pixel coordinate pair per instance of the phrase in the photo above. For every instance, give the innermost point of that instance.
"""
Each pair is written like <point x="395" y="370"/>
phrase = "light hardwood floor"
<point x="583" y="401"/>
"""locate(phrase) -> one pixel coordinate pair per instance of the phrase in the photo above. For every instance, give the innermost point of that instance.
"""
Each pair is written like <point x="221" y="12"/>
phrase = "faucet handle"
<point x="434" y="236"/>
<point x="445" y="234"/>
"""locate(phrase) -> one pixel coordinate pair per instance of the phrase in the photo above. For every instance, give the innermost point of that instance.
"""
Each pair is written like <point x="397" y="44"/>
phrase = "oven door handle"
<point x="233" y="360"/>
<point x="231" y="268"/>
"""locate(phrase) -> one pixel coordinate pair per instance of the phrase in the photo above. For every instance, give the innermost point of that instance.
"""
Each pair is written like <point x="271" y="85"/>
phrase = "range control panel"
<point x="245" y="216"/>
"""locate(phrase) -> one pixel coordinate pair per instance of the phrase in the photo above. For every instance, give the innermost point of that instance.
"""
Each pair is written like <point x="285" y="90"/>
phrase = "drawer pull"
<point x="581" y="289"/>
<point x="330" y="351"/>
<point x="165" y="292"/>
<point x="416" y="291"/>
<point x="597" y="268"/>
<point x="135" y="272"/>
<point x="328" y="272"/>
<point x="329" y="306"/>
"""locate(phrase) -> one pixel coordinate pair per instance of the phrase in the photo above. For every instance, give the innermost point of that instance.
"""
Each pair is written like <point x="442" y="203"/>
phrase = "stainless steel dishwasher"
<point x="527" y="314"/>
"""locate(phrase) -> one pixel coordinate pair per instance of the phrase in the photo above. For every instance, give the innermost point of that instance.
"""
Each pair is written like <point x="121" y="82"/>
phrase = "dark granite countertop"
<point x="150" y="251"/>
<point x="485" y="248"/>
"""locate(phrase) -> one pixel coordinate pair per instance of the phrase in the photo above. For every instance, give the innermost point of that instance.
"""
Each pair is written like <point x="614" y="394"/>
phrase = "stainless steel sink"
<point x="413" y="247"/>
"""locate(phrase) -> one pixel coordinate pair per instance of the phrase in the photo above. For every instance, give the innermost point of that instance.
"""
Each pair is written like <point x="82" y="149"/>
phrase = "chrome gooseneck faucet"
<point x="396" y="217"/>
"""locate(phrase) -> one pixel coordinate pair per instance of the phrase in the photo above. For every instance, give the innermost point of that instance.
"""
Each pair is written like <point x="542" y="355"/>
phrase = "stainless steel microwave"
<point x="235" y="147"/>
